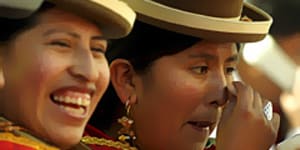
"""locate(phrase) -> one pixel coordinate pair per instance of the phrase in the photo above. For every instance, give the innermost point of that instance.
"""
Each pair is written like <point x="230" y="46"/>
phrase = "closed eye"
<point x="60" y="43"/>
<point x="97" y="49"/>
<point x="98" y="52"/>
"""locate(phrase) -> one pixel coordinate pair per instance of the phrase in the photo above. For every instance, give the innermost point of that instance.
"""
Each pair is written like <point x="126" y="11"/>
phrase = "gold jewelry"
<point x="125" y="133"/>
<point x="106" y="142"/>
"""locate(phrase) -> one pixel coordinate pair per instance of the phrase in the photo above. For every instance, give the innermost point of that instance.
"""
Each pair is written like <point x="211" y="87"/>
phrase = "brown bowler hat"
<point x="115" y="17"/>
<point x="218" y="20"/>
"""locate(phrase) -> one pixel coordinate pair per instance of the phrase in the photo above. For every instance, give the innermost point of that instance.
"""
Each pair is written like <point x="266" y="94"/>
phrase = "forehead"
<point x="59" y="16"/>
<point x="221" y="50"/>
<point x="212" y="46"/>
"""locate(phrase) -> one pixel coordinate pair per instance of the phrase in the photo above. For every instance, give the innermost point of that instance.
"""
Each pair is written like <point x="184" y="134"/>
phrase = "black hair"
<point x="147" y="43"/>
<point x="144" y="45"/>
<point x="12" y="27"/>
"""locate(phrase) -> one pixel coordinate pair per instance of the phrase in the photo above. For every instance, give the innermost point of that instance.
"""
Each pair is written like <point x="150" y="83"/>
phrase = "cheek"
<point x="43" y="76"/>
<point x="176" y="95"/>
<point x="104" y="76"/>
<point x="28" y="81"/>
<point x="45" y="70"/>
<point x="185" y="90"/>
<point x="167" y="101"/>
<point x="102" y="82"/>
<point x="30" y="72"/>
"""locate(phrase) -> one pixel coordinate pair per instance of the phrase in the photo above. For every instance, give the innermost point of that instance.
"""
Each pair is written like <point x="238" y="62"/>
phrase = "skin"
<point x="243" y="124"/>
<point x="62" y="56"/>
<point x="193" y="85"/>
<point x="177" y="89"/>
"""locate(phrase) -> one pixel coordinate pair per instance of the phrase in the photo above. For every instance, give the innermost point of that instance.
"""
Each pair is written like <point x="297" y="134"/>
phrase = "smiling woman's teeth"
<point x="75" y="104"/>
<point x="72" y="110"/>
<point x="76" y="101"/>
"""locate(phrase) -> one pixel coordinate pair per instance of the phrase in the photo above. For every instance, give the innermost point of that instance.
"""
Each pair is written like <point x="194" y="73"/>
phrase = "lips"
<point x="201" y="125"/>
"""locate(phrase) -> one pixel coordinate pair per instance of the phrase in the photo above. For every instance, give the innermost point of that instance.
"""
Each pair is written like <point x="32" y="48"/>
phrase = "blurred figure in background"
<point x="286" y="32"/>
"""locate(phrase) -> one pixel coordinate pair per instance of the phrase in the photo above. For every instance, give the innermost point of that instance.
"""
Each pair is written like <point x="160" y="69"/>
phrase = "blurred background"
<point x="269" y="66"/>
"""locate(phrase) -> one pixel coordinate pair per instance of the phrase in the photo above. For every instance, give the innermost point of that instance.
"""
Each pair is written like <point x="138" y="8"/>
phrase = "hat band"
<point x="229" y="25"/>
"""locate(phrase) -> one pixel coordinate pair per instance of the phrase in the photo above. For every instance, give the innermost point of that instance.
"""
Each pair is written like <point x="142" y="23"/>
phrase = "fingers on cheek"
<point x="245" y="98"/>
<point x="257" y="104"/>
<point x="249" y="104"/>
<point x="231" y="89"/>
<point x="275" y="122"/>
<point x="252" y="109"/>
<point x="274" y="127"/>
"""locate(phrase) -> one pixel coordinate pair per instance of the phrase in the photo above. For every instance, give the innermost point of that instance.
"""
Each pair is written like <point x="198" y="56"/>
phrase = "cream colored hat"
<point x="16" y="9"/>
<point x="219" y="20"/>
<point x="115" y="17"/>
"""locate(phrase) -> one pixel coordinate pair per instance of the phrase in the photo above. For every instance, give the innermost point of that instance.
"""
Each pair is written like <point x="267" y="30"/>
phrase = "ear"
<point x="122" y="78"/>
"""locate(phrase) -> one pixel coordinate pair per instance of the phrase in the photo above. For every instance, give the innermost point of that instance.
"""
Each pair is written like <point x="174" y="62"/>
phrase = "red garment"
<point x="92" y="131"/>
<point x="211" y="148"/>
<point x="6" y="145"/>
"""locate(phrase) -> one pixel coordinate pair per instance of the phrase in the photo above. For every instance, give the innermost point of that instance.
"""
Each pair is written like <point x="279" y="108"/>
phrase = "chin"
<point x="66" y="140"/>
<point x="68" y="143"/>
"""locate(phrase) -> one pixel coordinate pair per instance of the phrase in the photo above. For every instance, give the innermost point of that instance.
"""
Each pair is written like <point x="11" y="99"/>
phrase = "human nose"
<point x="219" y="88"/>
<point x="84" y="67"/>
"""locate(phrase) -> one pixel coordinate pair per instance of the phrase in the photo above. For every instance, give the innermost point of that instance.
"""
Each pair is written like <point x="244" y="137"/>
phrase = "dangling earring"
<point x="126" y="134"/>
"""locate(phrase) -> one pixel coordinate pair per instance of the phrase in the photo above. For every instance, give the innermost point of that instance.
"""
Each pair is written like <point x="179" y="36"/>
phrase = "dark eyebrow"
<point x="203" y="56"/>
<point x="52" y="31"/>
<point x="98" y="38"/>
<point x="232" y="58"/>
<point x="73" y="34"/>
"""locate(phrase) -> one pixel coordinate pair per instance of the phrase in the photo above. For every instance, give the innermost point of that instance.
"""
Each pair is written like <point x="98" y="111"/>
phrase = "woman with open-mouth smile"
<point x="56" y="71"/>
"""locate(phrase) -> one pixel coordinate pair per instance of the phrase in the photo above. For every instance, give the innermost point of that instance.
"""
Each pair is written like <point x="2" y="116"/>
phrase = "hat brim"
<point x="114" y="17"/>
<point x="18" y="9"/>
<point x="205" y="27"/>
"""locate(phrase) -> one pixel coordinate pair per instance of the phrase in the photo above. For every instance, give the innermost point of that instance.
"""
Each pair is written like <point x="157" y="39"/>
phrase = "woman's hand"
<point x="243" y="125"/>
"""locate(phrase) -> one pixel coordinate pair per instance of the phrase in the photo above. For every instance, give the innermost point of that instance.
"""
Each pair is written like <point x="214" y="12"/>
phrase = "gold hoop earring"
<point x="126" y="134"/>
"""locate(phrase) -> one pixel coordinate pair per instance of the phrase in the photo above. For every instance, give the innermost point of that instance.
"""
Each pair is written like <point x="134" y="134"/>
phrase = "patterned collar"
<point x="10" y="132"/>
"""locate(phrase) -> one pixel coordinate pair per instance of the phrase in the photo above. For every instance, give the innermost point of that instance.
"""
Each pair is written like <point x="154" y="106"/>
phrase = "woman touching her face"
<point x="55" y="69"/>
<point x="176" y="79"/>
